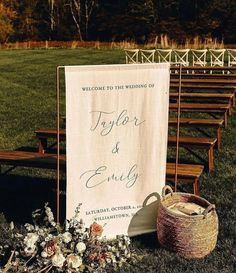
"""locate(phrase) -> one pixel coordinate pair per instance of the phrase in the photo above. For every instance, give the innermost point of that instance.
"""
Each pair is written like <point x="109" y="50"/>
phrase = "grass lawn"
<point x="28" y="102"/>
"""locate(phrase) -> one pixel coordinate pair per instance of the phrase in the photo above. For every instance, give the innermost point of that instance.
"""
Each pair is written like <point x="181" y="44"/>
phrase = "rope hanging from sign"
<point x="178" y="128"/>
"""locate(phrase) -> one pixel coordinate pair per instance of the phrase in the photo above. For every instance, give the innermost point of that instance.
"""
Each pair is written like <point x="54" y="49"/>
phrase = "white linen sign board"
<point x="116" y="134"/>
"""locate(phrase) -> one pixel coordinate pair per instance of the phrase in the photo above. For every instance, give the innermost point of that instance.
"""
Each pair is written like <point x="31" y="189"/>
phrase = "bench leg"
<point x="210" y="160"/>
<point x="42" y="145"/>
<point x="231" y="101"/>
<point x="226" y="119"/>
<point x="196" y="190"/>
<point x="218" y="143"/>
<point x="230" y="110"/>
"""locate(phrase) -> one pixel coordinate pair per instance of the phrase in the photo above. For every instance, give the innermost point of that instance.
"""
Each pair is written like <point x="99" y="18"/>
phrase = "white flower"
<point x="123" y="247"/>
<point x="42" y="232"/>
<point x="29" y="227"/>
<point x="74" y="261"/>
<point x="18" y="235"/>
<point x="108" y="260"/>
<point x="80" y="230"/>
<point x="66" y="237"/>
<point x="49" y="237"/>
<point x="44" y="254"/>
<point x="42" y="244"/>
<point x="30" y="240"/>
<point x="29" y="250"/>
<point x="11" y="225"/>
<point x="80" y="247"/>
<point x="50" y="216"/>
<point x="58" y="260"/>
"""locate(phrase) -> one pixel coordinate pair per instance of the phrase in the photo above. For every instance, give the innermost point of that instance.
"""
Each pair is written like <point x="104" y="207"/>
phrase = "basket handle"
<point x="165" y="189"/>
<point x="208" y="209"/>
<point x="154" y="194"/>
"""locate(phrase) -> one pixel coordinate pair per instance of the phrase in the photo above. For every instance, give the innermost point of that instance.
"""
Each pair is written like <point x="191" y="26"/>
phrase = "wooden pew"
<point x="229" y="97"/>
<point x="204" y="81"/>
<point x="216" y="108"/>
<point x="204" y="76"/>
<point x="207" y="143"/>
<point x="44" y="134"/>
<point x="31" y="159"/>
<point x="185" y="173"/>
<point x="205" y="69"/>
<point x="196" y="142"/>
<point x="203" y="87"/>
<point x="201" y="123"/>
<point x="215" y="81"/>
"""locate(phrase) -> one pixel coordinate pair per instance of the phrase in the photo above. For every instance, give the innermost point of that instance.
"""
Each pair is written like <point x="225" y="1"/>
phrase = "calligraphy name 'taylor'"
<point x="106" y="121"/>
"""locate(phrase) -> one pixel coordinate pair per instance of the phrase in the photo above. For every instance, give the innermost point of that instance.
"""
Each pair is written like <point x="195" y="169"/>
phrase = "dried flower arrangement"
<point x="46" y="246"/>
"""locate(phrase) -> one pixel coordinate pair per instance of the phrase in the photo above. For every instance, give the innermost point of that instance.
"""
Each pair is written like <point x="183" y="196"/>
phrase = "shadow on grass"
<point x="148" y="240"/>
<point x="21" y="195"/>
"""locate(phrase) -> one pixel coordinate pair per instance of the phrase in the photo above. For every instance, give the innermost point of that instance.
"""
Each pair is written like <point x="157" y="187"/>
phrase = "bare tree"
<point x="51" y="4"/>
<point x="75" y="8"/>
<point x="89" y="6"/>
<point x="81" y="11"/>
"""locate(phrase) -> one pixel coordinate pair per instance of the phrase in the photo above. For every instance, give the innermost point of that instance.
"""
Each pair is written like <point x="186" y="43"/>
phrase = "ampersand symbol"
<point x="115" y="150"/>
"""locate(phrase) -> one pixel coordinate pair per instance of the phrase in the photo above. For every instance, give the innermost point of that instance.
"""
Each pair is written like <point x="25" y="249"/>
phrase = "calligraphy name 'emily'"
<point x="94" y="178"/>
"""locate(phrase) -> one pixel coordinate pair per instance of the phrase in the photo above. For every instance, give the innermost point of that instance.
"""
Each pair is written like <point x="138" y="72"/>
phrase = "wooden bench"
<point x="204" y="82"/>
<point x="206" y="143"/>
<point x="43" y="134"/>
<point x="218" y="108"/>
<point x="205" y="69"/>
<point x="204" y="76"/>
<point x="196" y="142"/>
<point x="31" y="159"/>
<point x="215" y="81"/>
<point x="230" y="97"/>
<point x="199" y="123"/>
<point x="186" y="173"/>
<point x="208" y="87"/>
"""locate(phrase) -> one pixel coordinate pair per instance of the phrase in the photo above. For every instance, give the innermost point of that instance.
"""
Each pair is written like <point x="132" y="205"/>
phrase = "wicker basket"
<point x="189" y="236"/>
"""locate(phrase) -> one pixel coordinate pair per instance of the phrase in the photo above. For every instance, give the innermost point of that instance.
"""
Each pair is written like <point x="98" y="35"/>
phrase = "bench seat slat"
<point x="204" y="76"/>
<point x="194" y="141"/>
<point x="185" y="170"/>
<point x="31" y="159"/>
<point x="197" y="122"/>
<point x="203" y="95"/>
<point x="203" y="86"/>
<point x="201" y="106"/>
<point x="205" y="81"/>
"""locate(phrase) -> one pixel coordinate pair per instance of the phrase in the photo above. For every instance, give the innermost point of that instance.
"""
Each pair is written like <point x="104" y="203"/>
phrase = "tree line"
<point x="116" y="20"/>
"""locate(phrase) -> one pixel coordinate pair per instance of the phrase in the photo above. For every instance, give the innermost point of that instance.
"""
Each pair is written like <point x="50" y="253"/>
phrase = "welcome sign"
<point x="116" y="129"/>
